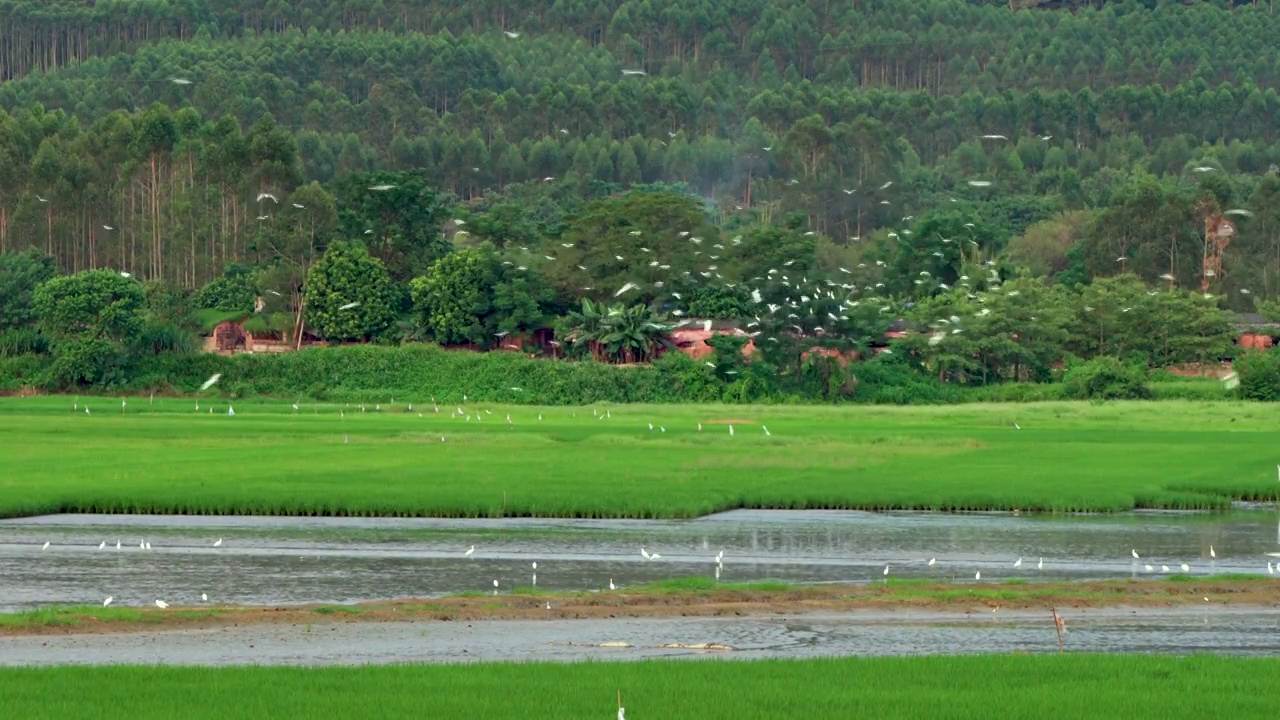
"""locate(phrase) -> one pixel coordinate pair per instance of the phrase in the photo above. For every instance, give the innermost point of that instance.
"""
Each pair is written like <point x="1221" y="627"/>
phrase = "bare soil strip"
<point x="621" y="604"/>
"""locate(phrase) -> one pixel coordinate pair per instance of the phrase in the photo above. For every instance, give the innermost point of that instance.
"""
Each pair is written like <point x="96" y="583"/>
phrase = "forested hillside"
<point x="874" y="142"/>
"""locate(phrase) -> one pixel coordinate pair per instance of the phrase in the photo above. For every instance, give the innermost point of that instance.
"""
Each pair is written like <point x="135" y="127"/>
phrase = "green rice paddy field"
<point x="164" y="456"/>
<point x="977" y="687"/>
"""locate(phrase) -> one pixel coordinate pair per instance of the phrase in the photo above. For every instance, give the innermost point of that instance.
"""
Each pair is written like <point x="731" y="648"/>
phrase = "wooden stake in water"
<point x="1060" y="626"/>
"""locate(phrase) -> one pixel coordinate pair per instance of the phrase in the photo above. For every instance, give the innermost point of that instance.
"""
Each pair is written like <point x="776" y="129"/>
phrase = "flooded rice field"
<point x="281" y="561"/>
<point x="1183" y="631"/>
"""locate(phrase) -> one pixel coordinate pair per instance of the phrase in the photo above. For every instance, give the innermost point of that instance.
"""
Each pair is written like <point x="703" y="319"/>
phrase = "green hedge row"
<point x="420" y="372"/>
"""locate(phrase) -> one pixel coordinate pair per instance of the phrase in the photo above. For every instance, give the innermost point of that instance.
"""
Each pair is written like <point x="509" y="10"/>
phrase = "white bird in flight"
<point x="213" y="379"/>
<point x="349" y="305"/>
<point x="381" y="188"/>
<point x="512" y="35"/>
<point x="267" y="196"/>
<point x="179" y="81"/>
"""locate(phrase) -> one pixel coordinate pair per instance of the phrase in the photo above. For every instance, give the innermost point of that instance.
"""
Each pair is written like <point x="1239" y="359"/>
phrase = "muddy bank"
<point x="831" y="599"/>
<point x="1180" y="630"/>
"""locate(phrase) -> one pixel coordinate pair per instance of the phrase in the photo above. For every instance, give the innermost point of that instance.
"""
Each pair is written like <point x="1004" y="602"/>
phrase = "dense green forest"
<point x="468" y="170"/>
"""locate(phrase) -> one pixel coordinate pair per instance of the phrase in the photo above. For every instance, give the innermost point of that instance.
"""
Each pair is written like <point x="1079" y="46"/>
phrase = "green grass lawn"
<point x="167" y="458"/>
<point x="939" y="688"/>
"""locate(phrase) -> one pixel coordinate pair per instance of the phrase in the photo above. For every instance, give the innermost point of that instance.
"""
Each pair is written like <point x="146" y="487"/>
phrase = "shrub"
<point x="1259" y="375"/>
<point x="82" y="363"/>
<point x="1106" y="378"/>
<point x="22" y="341"/>
<point x="888" y="380"/>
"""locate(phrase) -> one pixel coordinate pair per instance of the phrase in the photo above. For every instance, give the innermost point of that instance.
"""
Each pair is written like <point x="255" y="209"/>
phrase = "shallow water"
<point x="1181" y="631"/>
<point x="266" y="560"/>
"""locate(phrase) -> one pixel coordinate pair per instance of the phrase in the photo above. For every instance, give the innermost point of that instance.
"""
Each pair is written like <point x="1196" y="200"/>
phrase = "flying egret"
<point x="349" y="305"/>
<point x="213" y="379"/>
<point x="381" y="188"/>
<point x="634" y="72"/>
<point x="179" y="81"/>
<point x="267" y="196"/>
<point x="512" y="35"/>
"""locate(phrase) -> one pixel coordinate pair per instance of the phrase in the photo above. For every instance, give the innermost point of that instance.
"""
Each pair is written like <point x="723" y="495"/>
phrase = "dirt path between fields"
<point x="961" y="599"/>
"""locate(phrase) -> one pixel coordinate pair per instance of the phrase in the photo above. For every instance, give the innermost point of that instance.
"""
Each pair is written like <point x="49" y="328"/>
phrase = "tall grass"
<point x="164" y="457"/>
<point x="940" y="688"/>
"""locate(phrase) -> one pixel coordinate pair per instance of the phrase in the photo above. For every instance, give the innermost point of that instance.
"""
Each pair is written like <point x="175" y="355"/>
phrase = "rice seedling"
<point x="269" y="459"/>
<point x="949" y="687"/>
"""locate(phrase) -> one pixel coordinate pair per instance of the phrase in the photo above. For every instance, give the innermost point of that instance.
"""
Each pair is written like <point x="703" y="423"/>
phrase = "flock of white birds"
<point x="717" y="560"/>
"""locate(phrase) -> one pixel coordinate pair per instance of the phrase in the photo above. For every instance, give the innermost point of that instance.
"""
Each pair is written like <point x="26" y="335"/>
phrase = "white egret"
<point x="1018" y="564"/>
<point x="932" y="561"/>
<point x="204" y="597"/>
<point x="381" y="188"/>
<point x="179" y="81"/>
<point x="977" y="575"/>
<point x="512" y="35"/>
<point x="102" y="545"/>
<point x="1134" y="553"/>
<point x="1212" y="554"/>
<point x="1147" y="568"/>
<point x="645" y="554"/>
<point x="1164" y="568"/>
<point x="349" y="305"/>
<point x="213" y="379"/>
<point x="886" y="570"/>
<point x="1040" y="565"/>
<point x="218" y="543"/>
<point x="470" y="551"/>
<point x="46" y="545"/>
<point x="267" y="196"/>
<point x="108" y="600"/>
<point x="634" y="72"/>
<point x="611" y="585"/>
<point x="162" y="604"/>
<point x="1186" y="568"/>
